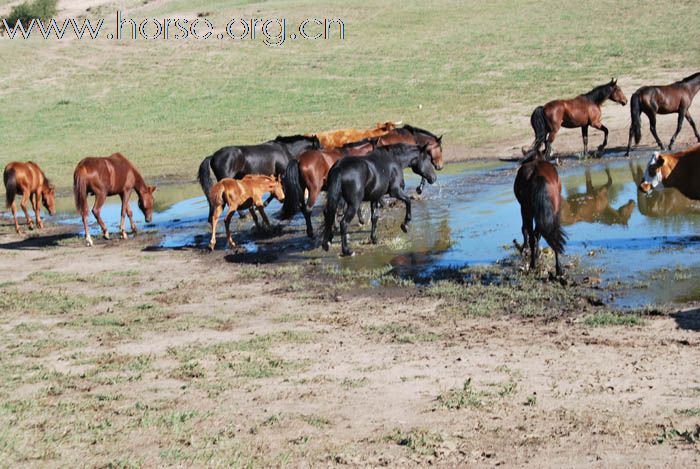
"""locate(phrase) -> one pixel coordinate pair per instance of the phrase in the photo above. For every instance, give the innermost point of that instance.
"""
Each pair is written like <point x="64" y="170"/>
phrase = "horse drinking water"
<point x="680" y="170"/>
<point x="29" y="180"/>
<point x="538" y="190"/>
<point x="675" y="98"/>
<point x="369" y="178"/>
<point x="111" y="175"/>
<point x="582" y="111"/>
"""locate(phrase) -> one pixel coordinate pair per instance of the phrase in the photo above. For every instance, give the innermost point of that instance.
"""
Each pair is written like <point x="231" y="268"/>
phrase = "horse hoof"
<point x="123" y="235"/>
<point x="404" y="227"/>
<point x="348" y="253"/>
<point x="373" y="240"/>
<point x="419" y="191"/>
<point x="88" y="242"/>
<point x="326" y="245"/>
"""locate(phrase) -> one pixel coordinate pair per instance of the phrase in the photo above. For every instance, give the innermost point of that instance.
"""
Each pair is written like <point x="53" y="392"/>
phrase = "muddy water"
<point x="649" y="244"/>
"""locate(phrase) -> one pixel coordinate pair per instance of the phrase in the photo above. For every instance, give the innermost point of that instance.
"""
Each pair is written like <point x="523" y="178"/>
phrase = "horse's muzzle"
<point x="645" y="187"/>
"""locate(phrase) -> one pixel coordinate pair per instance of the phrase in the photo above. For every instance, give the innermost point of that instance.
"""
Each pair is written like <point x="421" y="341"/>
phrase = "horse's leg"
<point x="84" y="213"/>
<point x="548" y="143"/>
<point x="23" y="204"/>
<point x="214" y="220"/>
<point x="526" y="225"/>
<point x="347" y="218"/>
<point x="130" y="214"/>
<point x="360" y="215"/>
<point x="125" y="196"/>
<point x="600" y="126"/>
<point x="14" y="217"/>
<point x="374" y="206"/>
<point x="692" y="124"/>
<point x="261" y="209"/>
<point x="36" y="202"/>
<point x="419" y="189"/>
<point x="227" y="223"/>
<point x="681" y="116"/>
<point x="533" y="239"/>
<point x="398" y="193"/>
<point x="99" y="202"/>
<point x="306" y="210"/>
<point x="584" y="134"/>
<point x="652" y="127"/>
<point x="557" y="265"/>
<point x="269" y="199"/>
<point x="255" y="217"/>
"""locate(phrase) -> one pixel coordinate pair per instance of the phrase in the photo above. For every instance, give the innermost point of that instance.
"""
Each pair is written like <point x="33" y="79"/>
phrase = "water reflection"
<point x="663" y="203"/>
<point x="593" y="205"/>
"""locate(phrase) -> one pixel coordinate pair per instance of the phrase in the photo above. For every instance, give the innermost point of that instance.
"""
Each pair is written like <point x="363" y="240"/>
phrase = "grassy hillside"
<point x="456" y="67"/>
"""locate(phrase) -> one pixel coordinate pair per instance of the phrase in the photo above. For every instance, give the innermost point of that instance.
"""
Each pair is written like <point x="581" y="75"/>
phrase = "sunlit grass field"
<point x="462" y="68"/>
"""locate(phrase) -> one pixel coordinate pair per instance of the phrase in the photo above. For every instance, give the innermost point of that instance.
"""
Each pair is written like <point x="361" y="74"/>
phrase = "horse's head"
<point x="146" y="202"/>
<point x="423" y="166"/>
<point x="653" y="175"/>
<point x="276" y="188"/>
<point x="435" y="150"/>
<point x="49" y="198"/>
<point x="616" y="93"/>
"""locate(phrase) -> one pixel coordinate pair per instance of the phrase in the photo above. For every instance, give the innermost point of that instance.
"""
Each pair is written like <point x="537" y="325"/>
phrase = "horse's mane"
<point x="364" y="141"/>
<point x="599" y="93"/>
<point x="396" y="149"/>
<point x="294" y="138"/>
<point x="692" y="77"/>
<point x="412" y="129"/>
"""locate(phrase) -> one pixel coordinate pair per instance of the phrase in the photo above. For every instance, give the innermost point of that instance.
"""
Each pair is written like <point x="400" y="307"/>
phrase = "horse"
<point x="369" y="178"/>
<point x="593" y="206"/>
<point x="309" y="173"/>
<point x="538" y="191"/>
<point x="241" y="194"/>
<point x="270" y="158"/>
<point x="106" y="176"/>
<point x="416" y="136"/>
<point x="582" y="111"/>
<point x="29" y="180"/>
<point x="680" y="170"/>
<point x="675" y="98"/>
<point x="661" y="203"/>
<point x="338" y="138"/>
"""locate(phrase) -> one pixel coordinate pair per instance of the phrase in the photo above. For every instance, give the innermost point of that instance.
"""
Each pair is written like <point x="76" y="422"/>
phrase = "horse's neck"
<point x="405" y="159"/>
<point x="693" y="85"/>
<point x="139" y="184"/>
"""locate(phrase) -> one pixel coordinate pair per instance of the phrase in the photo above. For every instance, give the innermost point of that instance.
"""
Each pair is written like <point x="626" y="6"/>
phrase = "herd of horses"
<point x="355" y="166"/>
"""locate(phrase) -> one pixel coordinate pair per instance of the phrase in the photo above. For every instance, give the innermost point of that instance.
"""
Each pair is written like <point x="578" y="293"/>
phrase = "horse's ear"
<point x="439" y="139"/>
<point x="152" y="189"/>
<point x="424" y="148"/>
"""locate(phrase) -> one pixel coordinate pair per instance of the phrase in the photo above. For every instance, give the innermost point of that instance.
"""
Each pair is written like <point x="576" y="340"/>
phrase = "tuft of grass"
<point x="418" y="440"/>
<point x="464" y="397"/>
<point x="613" y="319"/>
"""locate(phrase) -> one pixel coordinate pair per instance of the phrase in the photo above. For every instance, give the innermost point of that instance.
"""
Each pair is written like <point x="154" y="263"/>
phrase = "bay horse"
<point x="338" y="138"/>
<point x="29" y="180"/>
<point x="582" y="111"/>
<point x="241" y="194"/>
<point x="106" y="176"/>
<point x="309" y="173"/>
<point x="270" y="158"/>
<point x="538" y="190"/>
<point x="416" y="136"/>
<point x="680" y="170"/>
<point x="675" y="98"/>
<point x="368" y="178"/>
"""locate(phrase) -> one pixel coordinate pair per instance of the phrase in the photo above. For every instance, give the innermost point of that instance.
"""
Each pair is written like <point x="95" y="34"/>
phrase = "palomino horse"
<point x="675" y="98"/>
<point x="369" y="178"/>
<point x="111" y="175"/>
<point x="538" y="190"/>
<point x="309" y="173"/>
<point x="340" y="137"/>
<point x="582" y="111"/>
<point x="593" y="206"/>
<point x="29" y="180"/>
<point x="269" y="158"/>
<point x="241" y="194"/>
<point x="680" y="170"/>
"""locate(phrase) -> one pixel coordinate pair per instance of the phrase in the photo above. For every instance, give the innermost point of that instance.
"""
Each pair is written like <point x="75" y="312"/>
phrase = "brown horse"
<point x="675" y="98"/>
<point x="663" y="203"/>
<point x="593" y="206"/>
<point x="338" y="138"/>
<point x="29" y="180"/>
<point x="538" y="190"/>
<point x="582" y="111"/>
<point x="309" y="173"/>
<point x="241" y="194"/>
<point x="680" y="170"/>
<point x="111" y="175"/>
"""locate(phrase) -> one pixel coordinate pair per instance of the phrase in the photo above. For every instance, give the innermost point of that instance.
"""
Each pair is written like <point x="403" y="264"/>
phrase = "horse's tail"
<point x="547" y="221"/>
<point x="635" y="111"/>
<point x="333" y="194"/>
<point x="293" y="188"/>
<point x="79" y="188"/>
<point x="215" y="198"/>
<point x="538" y="121"/>
<point x="204" y="177"/>
<point x="10" y="179"/>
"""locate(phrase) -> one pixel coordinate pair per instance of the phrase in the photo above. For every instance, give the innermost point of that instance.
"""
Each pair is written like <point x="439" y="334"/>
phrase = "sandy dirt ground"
<point x="181" y="357"/>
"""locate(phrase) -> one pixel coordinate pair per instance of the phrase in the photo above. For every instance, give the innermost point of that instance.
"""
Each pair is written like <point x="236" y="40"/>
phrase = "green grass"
<point x="452" y="67"/>
<point x="613" y="319"/>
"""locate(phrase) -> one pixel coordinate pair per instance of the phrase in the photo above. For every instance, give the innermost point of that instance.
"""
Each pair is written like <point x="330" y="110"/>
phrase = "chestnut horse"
<point x="111" y="175"/>
<point x="675" y="98"/>
<point x="340" y="137"/>
<point x="680" y="170"/>
<point x="241" y="194"/>
<point x="309" y="173"/>
<point x="538" y="190"/>
<point x="29" y="180"/>
<point x="582" y="111"/>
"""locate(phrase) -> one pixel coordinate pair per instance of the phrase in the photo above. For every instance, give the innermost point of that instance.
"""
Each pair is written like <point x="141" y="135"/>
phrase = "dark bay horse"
<point x="111" y="175"/>
<point x="369" y="178"/>
<point x="582" y="111"/>
<point x="675" y="98"/>
<point x="416" y="136"/>
<point x="269" y="158"/>
<point x="309" y="173"/>
<point x="538" y="190"/>
<point x="29" y="180"/>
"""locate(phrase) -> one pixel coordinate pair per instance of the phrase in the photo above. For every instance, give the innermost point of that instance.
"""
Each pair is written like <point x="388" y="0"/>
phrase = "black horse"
<point x="269" y="158"/>
<point x="369" y="178"/>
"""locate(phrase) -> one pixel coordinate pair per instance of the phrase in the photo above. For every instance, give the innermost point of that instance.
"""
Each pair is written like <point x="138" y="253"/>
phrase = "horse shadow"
<point x="688" y="320"/>
<point x="37" y="242"/>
